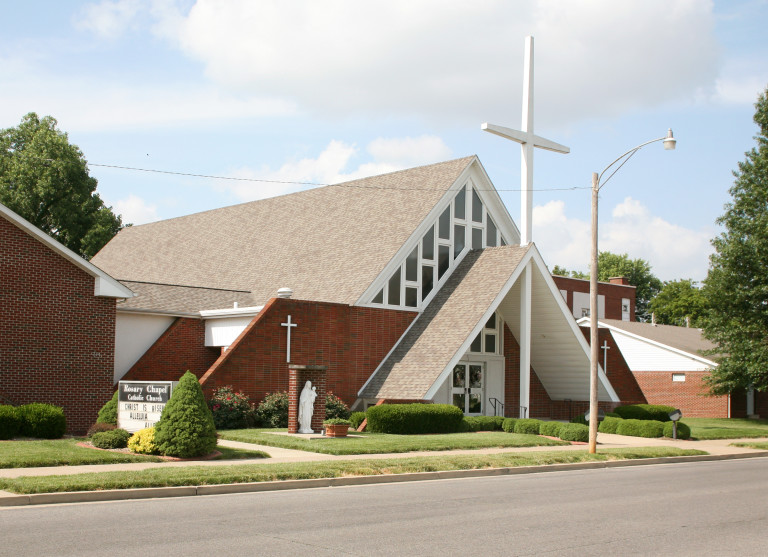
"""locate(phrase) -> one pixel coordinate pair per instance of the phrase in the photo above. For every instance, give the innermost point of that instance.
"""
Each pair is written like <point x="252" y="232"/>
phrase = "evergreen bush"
<point x="641" y="428"/>
<point x="44" y="421"/>
<point x="609" y="424"/>
<point x="579" y="419"/>
<point x="273" y="410"/>
<point x="10" y="421"/>
<point x="113" y="439"/>
<point x="108" y="412"/>
<point x="98" y="427"/>
<point x="481" y="423"/>
<point x="336" y="408"/>
<point x="414" y="418"/>
<point x="186" y="427"/>
<point x="143" y="441"/>
<point x="508" y="425"/>
<point x="574" y="432"/>
<point x="357" y="418"/>
<point x="683" y="431"/>
<point x="658" y="412"/>
<point x="230" y="409"/>
<point x="550" y="429"/>
<point x="527" y="426"/>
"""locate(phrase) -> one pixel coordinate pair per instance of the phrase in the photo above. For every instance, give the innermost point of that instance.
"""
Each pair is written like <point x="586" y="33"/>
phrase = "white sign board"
<point x="140" y="403"/>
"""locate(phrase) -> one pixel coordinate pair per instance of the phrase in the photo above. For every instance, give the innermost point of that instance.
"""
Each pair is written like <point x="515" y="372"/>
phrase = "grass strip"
<point x="60" y="452"/>
<point x="231" y="453"/>
<point x="242" y="473"/>
<point x="763" y="445"/>
<point x="726" y="428"/>
<point x="379" y="443"/>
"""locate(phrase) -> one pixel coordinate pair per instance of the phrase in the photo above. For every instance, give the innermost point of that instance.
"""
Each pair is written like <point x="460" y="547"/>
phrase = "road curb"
<point x="13" y="500"/>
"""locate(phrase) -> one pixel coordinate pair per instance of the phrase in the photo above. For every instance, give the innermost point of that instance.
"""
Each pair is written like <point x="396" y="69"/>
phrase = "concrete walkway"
<point x="718" y="449"/>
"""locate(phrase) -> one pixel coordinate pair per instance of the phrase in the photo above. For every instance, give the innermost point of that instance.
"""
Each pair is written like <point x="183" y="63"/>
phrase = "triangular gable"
<point x="104" y="285"/>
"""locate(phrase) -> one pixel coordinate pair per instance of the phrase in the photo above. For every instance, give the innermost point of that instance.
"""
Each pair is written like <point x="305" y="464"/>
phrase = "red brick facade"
<point x="298" y="375"/>
<point x="613" y="293"/>
<point x="690" y="396"/>
<point x="56" y="338"/>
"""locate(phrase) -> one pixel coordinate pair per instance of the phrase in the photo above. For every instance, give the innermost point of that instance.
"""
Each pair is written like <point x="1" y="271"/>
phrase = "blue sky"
<point x="325" y="91"/>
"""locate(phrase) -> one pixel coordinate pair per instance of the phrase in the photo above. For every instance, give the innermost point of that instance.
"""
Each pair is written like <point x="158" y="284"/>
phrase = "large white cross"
<point x="288" y="325"/>
<point x="527" y="140"/>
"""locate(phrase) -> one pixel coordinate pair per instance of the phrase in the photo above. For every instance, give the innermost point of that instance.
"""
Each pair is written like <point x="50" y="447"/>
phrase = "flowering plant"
<point x="231" y="410"/>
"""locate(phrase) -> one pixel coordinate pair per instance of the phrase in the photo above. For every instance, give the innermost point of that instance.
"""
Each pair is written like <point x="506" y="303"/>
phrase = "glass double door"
<point x="467" y="387"/>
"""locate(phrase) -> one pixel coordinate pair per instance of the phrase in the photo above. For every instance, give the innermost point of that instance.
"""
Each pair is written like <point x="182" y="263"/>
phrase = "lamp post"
<point x="669" y="144"/>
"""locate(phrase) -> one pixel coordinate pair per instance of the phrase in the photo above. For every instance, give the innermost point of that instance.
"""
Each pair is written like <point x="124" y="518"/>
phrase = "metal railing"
<point x="497" y="405"/>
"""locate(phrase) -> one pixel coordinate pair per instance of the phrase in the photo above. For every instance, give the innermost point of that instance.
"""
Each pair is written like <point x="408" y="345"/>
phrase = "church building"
<point x="410" y="286"/>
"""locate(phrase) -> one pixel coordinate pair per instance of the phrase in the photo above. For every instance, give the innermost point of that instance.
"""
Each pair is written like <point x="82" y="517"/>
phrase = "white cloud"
<point x="331" y="166"/>
<point x="135" y="210"/>
<point x="673" y="251"/>
<point x="109" y="19"/>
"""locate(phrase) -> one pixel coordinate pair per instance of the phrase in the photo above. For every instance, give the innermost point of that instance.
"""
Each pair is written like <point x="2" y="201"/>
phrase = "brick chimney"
<point x="619" y="280"/>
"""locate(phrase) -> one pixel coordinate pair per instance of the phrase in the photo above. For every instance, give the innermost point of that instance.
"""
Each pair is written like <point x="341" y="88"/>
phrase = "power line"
<point x="264" y="180"/>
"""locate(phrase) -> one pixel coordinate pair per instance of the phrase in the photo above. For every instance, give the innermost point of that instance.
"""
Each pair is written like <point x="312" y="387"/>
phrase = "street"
<point x="705" y="508"/>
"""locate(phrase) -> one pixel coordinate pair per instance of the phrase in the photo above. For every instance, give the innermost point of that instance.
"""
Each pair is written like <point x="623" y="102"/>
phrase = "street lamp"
<point x="669" y="144"/>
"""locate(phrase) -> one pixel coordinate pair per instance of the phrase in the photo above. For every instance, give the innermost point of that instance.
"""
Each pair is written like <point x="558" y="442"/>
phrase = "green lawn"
<point x="726" y="428"/>
<point x="762" y="445"/>
<point x="65" y="452"/>
<point x="378" y="443"/>
<point x="241" y="473"/>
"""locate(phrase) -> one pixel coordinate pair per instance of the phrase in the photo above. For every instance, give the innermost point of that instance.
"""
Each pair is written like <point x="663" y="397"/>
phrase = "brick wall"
<point x="621" y="377"/>
<point x="180" y="348"/>
<point x="690" y="396"/>
<point x="351" y="341"/>
<point x="56" y="337"/>
<point x="613" y="294"/>
<point x="539" y="399"/>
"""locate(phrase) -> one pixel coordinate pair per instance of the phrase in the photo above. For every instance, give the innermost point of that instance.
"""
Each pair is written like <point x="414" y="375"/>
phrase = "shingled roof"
<point x="170" y="298"/>
<point x="327" y="244"/>
<point x="438" y="333"/>
<point x="687" y="339"/>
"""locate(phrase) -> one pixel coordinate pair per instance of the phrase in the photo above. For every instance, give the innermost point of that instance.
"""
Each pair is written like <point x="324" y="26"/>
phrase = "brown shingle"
<point x="181" y="299"/>
<point x="686" y="339"/>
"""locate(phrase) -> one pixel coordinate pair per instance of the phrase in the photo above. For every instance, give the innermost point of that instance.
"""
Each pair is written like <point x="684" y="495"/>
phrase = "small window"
<point x="477" y="344"/>
<point x="379" y="298"/>
<point x="428" y="244"/>
<point x="490" y="344"/>
<point x="490" y="236"/>
<point x="585" y="312"/>
<point x="411" y="296"/>
<point x="460" y="205"/>
<point x="443" y="260"/>
<point x="678" y="377"/>
<point x="503" y="242"/>
<point x="491" y="324"/>
<point x="427" y="280"/>
<point x="477" y="238"/>
<point x="393" y="294"/>
<point x="412" y="266"/>
<point x="459" y="234"/>
<point x="477" y="207"/>
<point x="444" y="225"/>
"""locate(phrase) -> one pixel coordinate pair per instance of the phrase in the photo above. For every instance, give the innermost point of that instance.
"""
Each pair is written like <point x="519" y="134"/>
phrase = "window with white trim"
<point x="489" y="339"/>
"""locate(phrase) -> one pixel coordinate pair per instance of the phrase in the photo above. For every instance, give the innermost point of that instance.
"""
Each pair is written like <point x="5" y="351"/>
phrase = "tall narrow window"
<point x="412" y="266"/>
<point x="458" y="239"/>
<point x="427" y="280"/>
<point x="477" y="207"/>
<point x="443" y="260"/>
<point x="477" y="238"/>
<point x="444" y="225"/>
<point x="490" y="233"/>
<point x="460" y="205"/>
<point x="477" y="344"/>
<point x="379" y="298"/>
<point x="411" y="296"/>
<point x="428" y="244"/>
<point x="393" y="294"/>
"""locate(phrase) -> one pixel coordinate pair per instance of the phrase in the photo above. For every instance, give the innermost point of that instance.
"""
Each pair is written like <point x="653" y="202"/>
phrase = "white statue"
<point x="307" y="407"/>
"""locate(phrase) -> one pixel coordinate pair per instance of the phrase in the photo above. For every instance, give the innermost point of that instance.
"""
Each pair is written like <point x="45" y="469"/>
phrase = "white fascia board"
<point x="650" y="342"/>
<point x="550" y="282"/>
<point x="251" y="311"/>
<point x="129" y="311"/>
<point x="479" y="326"/>
<point x="104" y="285"/>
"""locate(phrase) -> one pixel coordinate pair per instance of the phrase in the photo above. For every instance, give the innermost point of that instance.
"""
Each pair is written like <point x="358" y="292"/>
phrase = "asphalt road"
<point x="704" y="508"/>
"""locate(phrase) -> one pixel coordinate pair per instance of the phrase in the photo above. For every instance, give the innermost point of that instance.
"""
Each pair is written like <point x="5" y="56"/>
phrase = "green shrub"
<point x="609" y="424"/>
<point x="527" y="426"/>
<point x="683" y="431"/>
<point x="108" y="412"/>
<point x="414" y="418"/>
<point x="336" y="408"/>
<point x="186" y="427"/>
<point x="612" y="415"/>
<point x="43" y="421"/>
<point x="357" y="418"/>
<point x="641" y="428"/>
<point x="508" y="425"/>
<point x="550" y="429"/>
<point x="658" y="412"/>
<point x="273" y="410"/>
<point x="574" y="432"/>
<point x="143" y="441"/>
<point x="481" y="423"/>
<point x="10" y="421"/>
<point x="114" y="439"/>
<point x="579" y="419"/>
<point x="230" y="409"/>
<point x="98" y="427"/>
<point x="337" y="421"/>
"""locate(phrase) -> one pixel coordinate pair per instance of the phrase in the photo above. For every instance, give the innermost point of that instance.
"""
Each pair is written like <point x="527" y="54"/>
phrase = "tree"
<point x="45" y="179"/>
<point x="638" y="274"/>
<point x="736" y="287"/>
<point x="678" y="300"/>
<point x="563" y="272"/>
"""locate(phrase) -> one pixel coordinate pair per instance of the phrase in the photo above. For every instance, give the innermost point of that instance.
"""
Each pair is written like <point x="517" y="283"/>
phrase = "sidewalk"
<point x="717" y="449"/>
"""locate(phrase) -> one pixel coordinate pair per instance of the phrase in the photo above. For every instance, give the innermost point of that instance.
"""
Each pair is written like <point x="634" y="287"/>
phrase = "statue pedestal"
<point x="298" y="375"/>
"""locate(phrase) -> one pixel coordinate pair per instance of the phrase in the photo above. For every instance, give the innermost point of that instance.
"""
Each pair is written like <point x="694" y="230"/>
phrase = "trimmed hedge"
<point x="114" y="439"/>
<point x="574" y="432"/>
<point x="658" y="412"/>
<point x="579" y="419"/>
<point x="10" y="421"/>
<point x="683" y="431"/>
<point x="482" y="423"/>
<point x="44" y="421"/>
<point x="508" y="425"/>
<point x="551" y="429"/>
<point x="641" y="428"/>
<point x="527" y="426"/>
<point x="415" y="418"/>
<point x="609" y="424"/>
<point x="357" y="418"/>
<point x="99" y="427"/>
<point x="143" y="441"/>
<point x="108" y="412"/>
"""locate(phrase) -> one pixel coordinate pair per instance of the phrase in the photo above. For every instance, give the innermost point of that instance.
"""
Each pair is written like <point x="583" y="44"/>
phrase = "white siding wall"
<point x="134" y="335"/>
<point x="581" y="301"/>
<point x="642" y="356"/>
<point x="223" y="332"/>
